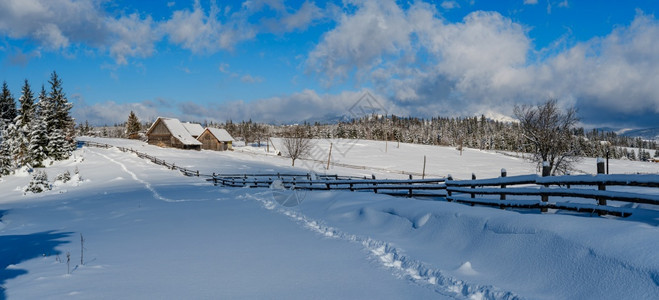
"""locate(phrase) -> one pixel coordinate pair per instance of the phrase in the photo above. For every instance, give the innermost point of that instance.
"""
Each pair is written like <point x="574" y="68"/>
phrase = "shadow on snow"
<point x="15" y="249"/>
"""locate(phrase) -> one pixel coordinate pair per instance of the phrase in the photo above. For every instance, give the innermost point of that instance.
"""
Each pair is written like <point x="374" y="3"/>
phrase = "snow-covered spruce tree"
<point x="7" y="105"/>
<point x="60" y="126"/>
<point x="39" y="133"/>
<point x="57" y="145"/>
<point x="23" y="122"/>
<point x="6" y="163"/>
<point x="38" y="183"/>
<point x="18" y="144"/>
<point x="132" y="126"/>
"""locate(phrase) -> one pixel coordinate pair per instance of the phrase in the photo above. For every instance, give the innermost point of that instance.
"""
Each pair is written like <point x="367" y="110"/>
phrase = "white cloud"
<point x="131" y="37"/>
<point x="297" y="107"/>
<point x="448" y="5"/>
<point x="481" y="65"/>
<point x="251" y="79"/>
<point x="302" y="18"/>
<point x="54" y="23"/>
<point x="530" y="2"/>
<point x="360" y="40"/>
<point x="110" y="112"/>
<point x="59" y="24"/>
<point x="224" y="68"/>
<point x="202" y="32"/>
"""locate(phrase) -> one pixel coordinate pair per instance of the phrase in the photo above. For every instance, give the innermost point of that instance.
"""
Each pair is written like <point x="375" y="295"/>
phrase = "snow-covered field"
<point x="151" y="233"/>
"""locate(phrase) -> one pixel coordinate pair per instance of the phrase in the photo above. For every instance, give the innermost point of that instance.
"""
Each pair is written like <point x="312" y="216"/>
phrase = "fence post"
<point x="546" y="169"/>
<point x="214" y="179"/>
<point x="374" y="184"/>
<point x="503" y="186"/>
<point x="473" y="177"/>
<point x="600" y="166"/>
<point x="423" y="175"/>
<point x="600" y="186"/>
<point x="448" y="192"/>
<point x="410" y="191"/>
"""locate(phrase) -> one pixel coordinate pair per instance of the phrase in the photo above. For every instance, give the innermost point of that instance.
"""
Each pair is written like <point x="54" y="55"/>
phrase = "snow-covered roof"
<point x="193" y="128"/>
<point x="177" y="130"/>
<point x="220" y="134"/>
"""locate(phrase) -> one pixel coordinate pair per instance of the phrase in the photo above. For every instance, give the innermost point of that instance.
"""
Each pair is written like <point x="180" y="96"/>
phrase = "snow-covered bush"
<point x="39" y="183"/>
<point x="64" y="177"/>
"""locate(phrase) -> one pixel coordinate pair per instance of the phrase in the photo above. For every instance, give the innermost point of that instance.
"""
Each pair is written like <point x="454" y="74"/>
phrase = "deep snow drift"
<point x="152" y="233"/>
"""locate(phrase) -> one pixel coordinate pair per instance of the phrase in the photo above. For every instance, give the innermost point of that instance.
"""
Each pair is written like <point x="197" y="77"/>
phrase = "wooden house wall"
<point x="209" y="142"/>
<point x="161" y="136"/>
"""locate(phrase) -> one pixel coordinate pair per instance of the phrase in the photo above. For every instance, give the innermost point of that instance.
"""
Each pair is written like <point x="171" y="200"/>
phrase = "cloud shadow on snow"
<point x="15" y="249"/>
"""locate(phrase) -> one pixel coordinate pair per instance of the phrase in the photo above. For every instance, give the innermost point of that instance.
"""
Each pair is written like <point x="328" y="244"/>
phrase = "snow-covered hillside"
<point x="152" y="233"/>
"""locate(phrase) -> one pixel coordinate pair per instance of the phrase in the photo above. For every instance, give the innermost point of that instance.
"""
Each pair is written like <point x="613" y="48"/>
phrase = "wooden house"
<point x="216" y="139"/>
<point x="168" y="132"/>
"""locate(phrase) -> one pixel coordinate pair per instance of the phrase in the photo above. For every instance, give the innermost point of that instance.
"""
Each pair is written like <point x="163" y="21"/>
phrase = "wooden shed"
<point x="169" y="132"/>
<point x="216" y="139"/>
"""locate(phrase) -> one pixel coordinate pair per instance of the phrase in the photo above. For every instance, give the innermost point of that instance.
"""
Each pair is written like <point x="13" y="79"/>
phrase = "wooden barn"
<point x="168" y="132"/>
<point x="216" y="139"/>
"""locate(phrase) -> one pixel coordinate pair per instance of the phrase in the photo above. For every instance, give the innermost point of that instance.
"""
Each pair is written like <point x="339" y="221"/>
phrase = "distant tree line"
<point x="472" y="132"/>
<point x="559" y="145"/>
<point x="39" y="129"/>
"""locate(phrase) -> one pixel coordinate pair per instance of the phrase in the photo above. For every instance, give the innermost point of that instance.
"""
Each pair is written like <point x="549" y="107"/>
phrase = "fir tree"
<point x="26" y="111"/>
<point x="23" y="122"/>
<point x="38" y="143"/>
<point x="57" y="146"/>
<point x="39" y="183"/>
<point x="17" y="143"/>
<point x="6" y="162"/>
<point x="59" y="123"/>
<point x="7" y="105"/>
<point x="39" y="134"/>
<point x="132" y="126"/>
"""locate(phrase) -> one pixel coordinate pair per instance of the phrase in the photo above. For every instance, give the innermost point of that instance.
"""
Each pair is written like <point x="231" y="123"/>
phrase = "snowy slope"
<point x="152" y="233"/>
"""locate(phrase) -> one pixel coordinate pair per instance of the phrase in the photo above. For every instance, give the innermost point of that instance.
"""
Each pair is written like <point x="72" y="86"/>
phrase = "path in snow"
<point x="146" y="184"/>
<point x="393" y="258"/>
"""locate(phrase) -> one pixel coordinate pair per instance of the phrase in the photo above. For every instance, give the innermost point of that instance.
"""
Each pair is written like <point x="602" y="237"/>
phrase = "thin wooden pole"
<point x="546" y="169"/>
<point x="423" y="175"/>
<point x="329" y="156"/>
<point x="600" y="186"/>
<point x="473" y="177"/>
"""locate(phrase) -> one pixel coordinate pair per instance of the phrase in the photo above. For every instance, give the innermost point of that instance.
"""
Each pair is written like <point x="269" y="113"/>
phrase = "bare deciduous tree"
<point x="548" y="130"/>
<point x="296" y="144"/>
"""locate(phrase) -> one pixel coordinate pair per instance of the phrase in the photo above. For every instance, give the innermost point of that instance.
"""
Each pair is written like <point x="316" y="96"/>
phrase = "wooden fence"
<point x="525" y="191"/>
<point x="536" y="190"/>
<point x="431" y="187"/>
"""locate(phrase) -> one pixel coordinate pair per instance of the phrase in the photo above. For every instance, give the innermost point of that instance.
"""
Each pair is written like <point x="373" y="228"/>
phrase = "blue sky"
<point x="289" y="61"/>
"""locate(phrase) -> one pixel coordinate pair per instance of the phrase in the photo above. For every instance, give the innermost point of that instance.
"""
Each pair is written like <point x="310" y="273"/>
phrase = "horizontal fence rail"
<point x="530" y="191"/>
<point x="567" y="186"/>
